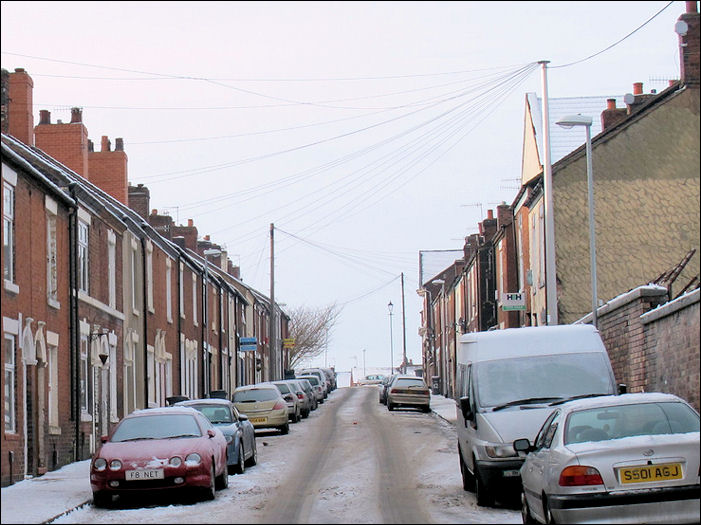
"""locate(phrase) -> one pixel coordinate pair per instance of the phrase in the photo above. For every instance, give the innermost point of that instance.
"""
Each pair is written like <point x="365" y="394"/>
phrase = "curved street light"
<point x="390" y="307"/>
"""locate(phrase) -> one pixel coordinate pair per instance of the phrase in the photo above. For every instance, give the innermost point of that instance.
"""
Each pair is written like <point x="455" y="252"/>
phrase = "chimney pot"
<point x="190" y="223"/>
<point x="91" y="146"/>
<point x="610" y="103"/>
<point x="59" y="121"/>
<point x="671" y="83"/>
<point x="154" y="211"/>
<point x="206" y="237"/>
<point x="76" y="115"/>
<point x="21" y="69"/>
<point x="119" y="144"/>
<point x="44" y="116"/>
<point x="637" y="88"/>
<point x="490" y="214"/>
<point x="690" y="8"/>
<point x="105" y="143"/>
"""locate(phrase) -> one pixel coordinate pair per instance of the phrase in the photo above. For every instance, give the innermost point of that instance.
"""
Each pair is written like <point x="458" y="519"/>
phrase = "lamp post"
<point x="364" y="362"/>
<point x="581" y="120"/>
<point x="390" y="307"/>
<point x="207" y="329"/>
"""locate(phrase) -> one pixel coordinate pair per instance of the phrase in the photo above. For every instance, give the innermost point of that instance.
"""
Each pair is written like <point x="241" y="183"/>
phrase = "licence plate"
<point x="258" y="420"/>
<point x="139" y="475"/>
<point x="647" y="473"/>
<point x="511" y="473"/>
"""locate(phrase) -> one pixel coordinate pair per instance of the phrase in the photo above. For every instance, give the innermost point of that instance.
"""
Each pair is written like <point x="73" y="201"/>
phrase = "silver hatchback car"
<point x="632" y="458"/>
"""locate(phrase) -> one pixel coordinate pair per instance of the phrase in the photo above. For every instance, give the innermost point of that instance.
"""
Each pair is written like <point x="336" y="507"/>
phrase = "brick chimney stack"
<point x="67" y="143"/>
<point x="187" y="233"/>
<point x="108" y="171"/>
<point x="20" y="112"/>
<point x="139" y="200"/>
<point x="612" y="115"/>
<point x="687" y="27"/>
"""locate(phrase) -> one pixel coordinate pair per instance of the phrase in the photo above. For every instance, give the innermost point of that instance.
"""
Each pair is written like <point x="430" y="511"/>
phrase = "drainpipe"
<point x="221" y="338"/>
<point x="145" y="310"/>
<point x="203" y="324"/>
<point x="181" y="349"/>
<point x="73" y="314"/>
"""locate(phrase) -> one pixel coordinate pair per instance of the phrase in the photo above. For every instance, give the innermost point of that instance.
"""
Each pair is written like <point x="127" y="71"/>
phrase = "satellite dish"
<point x="629" y="98"/>
<point x="681" y="28"/>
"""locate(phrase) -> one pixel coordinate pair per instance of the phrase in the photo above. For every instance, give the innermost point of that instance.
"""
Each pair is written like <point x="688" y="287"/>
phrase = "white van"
<point x="507" y="382"/>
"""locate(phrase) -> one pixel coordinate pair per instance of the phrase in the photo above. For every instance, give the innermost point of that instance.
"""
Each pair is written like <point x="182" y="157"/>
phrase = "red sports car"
<point x="160" y="449"/>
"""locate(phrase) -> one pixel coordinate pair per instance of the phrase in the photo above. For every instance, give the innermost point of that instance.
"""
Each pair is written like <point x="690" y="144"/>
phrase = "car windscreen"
<point x="557" y="376"/>
<point x="255" y="394"/>
<point x="313" y="380"/>
<point x="406" y="383"/>
<point x="284" y="388"/>
<point x="161" y="426"/>
<point x="643" y="419"/>
<point x="215" y="413"/>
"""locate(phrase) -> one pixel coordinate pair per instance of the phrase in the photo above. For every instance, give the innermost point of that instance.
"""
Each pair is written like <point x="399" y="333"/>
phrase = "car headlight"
<point x="100" y="464"/>
<point x="175" y="461"/>
<point x="115" y="464"/>
<point x="500" y="451"/>
<point x="193" y="459"/>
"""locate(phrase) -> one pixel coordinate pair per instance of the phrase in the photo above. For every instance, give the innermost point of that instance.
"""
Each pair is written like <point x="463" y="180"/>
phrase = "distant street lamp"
<point x="581" y="120"/>
<point x="390" y="307"/>
<point x="363" y="362"/>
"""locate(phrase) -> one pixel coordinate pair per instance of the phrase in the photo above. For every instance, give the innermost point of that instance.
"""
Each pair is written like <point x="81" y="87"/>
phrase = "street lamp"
<point x="581" y="120"/>
<point x="390" y="307"/>
<point x="364" y="362"/>
<point x="207" y="329"/>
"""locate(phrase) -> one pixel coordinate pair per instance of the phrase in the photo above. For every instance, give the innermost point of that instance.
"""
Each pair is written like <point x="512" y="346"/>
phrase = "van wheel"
<point x="468" y="480"/>
<point x="485" y="497"/>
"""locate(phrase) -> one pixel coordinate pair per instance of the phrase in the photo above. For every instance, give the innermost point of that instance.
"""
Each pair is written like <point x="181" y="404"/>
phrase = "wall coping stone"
<point x="647" y="290"/>
<point x="671" y="307"/>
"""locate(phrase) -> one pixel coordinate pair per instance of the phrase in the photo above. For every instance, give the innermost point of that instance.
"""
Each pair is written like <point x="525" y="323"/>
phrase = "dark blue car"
<point x="237" y="429"/>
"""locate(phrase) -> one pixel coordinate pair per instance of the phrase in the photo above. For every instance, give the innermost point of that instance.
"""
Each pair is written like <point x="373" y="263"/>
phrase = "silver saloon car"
<point x="631" y="458"/>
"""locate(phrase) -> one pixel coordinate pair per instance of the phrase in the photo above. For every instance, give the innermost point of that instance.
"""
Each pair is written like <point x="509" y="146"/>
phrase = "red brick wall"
<point x="20" y="109"/>
<point x="67" y="143"/>
<point x="108" y="171"/>
<point x="672" y="351"/>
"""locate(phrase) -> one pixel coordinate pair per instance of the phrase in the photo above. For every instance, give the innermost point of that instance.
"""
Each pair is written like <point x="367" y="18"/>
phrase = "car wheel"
<point x="222" y="481"/>
<point x="241" y="465"/>
<point x="485" y="497"/>
<point x="253" y="460"/>
<point x="427" y="408"/>
<point x="284" y="429"/>
<point x="468" y="480"/>
<point x="211" y="492"/>
<point x="547" y="512"/>
<point x="101" y="499"/>
<point x="390" y="406"/>
<point x="526" y="515"/>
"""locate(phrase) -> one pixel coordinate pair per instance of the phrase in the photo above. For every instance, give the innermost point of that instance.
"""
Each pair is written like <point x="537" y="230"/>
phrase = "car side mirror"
<point x="622" y="388"/>
<point x="522" y="445"/>
<point x="243" y="417"/>
<point x="103" y="439"/>
<point x="211" y="433"/>
<point x="466" y="409"/>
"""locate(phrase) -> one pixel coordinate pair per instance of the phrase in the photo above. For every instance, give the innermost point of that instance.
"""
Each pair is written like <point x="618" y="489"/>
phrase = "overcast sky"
<point x="364" y="131"/>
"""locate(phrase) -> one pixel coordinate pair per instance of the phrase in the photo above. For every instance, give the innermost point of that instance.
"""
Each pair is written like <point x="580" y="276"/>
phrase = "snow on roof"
<point x="621" y="399"/>
<point x="562" y="140"/>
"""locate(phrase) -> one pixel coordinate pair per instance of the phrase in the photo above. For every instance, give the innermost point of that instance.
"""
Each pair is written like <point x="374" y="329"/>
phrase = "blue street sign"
<point x="248" y="344"/>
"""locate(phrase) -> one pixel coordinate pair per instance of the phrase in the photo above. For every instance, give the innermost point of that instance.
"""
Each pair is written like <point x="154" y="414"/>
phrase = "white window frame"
<point x="84" y="387"/>
<point x="83" y="256"/>
<point x="8" y="223"/>
<point x="194" y="300"/>
<point x="181" y="291"/>
<point x="10" y="378"/>
<point x="134" y="272"/>
<point x="53" y="387"/>
<point x="114" y="417"/>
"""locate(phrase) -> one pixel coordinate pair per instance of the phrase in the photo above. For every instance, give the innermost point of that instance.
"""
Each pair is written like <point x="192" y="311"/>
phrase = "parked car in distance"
<point x="331" y="373"/>
<point x="323" y="378"/>
<point x="303" y="399"/>
<point x="505" y="381"/>
<point x="632" y="458"/>
<point x="159" y="449"/>
<point x="237" y="429"/>
<point x="408" y="391"/>
<point x="264" y="406"/>
<point x="317" y="385"/>
<point x="384" y="386"/>
<point x="372" y="379"/>
<point x="293" y="405"/>
<point x="309" y="390"/>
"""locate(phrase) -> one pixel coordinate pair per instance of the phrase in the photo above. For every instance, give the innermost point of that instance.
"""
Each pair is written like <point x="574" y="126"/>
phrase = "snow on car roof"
<point x="161" y="410"/>
<point x="622" y="399"/>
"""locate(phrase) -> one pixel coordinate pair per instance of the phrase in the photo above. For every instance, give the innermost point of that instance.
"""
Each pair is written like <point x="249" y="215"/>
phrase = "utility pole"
<point x="272" y="349"/>
<point x="403" y="330"/>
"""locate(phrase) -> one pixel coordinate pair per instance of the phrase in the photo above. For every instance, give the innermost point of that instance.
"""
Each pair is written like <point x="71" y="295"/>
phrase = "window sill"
<point x="11" y="436"/>
<point x="56" y="431"/>
<point x="11" y="287"/>
<point x="53" y="303"/>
